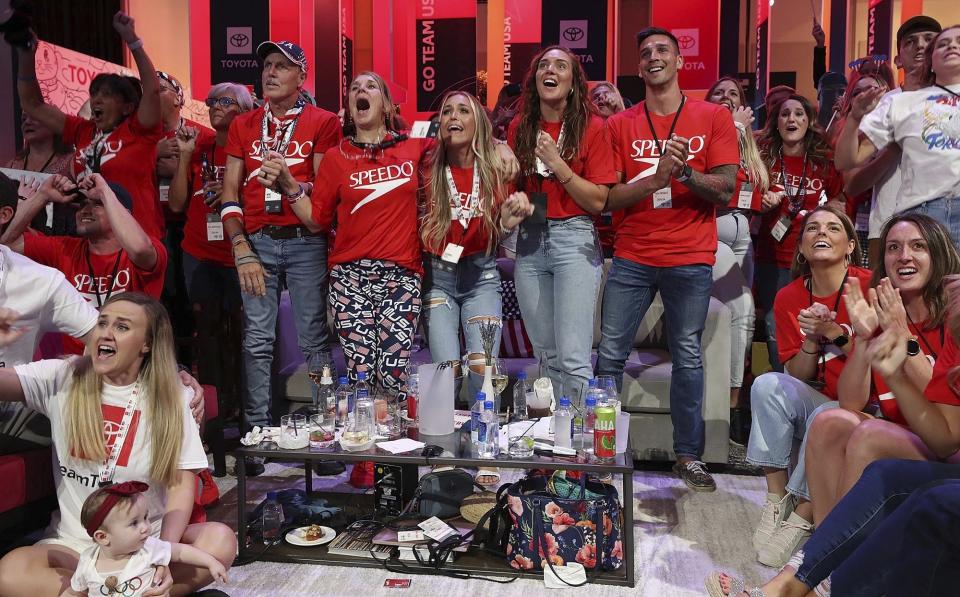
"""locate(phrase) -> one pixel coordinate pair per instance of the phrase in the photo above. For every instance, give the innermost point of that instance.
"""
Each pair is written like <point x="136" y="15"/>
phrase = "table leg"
<point x="241" y="507"/>
<point x="627" y="531"/>
<point x="308" y="477"/>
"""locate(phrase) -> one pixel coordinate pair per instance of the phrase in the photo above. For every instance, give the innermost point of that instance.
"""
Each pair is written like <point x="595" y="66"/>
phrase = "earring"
<point x="800" y="258"/>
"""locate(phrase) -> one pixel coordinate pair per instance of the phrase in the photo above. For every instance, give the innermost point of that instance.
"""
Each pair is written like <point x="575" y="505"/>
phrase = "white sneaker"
<point x="789" y="537"/>
<point x="775" y="511"/>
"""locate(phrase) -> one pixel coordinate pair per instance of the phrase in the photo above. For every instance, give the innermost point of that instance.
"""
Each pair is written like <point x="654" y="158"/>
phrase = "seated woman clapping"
<point x="119" y="414"/>
<point x="907" y="305"/>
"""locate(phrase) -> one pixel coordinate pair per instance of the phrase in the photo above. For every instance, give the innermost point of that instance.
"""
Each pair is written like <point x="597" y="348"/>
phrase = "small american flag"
<point x="514" y="342"/>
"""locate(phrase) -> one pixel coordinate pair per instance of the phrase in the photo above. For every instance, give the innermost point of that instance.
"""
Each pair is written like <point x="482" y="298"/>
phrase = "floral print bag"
<point x="582" y="525"/>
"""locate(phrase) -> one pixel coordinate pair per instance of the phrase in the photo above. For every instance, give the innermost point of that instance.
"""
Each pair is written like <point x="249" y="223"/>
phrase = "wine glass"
<point x="500" y="380"/>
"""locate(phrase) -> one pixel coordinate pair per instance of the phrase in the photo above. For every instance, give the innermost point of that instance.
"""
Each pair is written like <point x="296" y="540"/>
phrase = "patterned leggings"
<point x="376" y="305"/>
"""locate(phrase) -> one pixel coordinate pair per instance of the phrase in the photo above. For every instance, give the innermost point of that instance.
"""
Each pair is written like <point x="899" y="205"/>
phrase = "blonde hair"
<point x="160" y="389"/>
<point x="751" y="161"/>
<point x="436" y="221"/>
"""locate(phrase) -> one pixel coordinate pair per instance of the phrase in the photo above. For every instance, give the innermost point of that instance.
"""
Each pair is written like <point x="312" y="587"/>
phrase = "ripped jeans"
<point x="454" y="294"/>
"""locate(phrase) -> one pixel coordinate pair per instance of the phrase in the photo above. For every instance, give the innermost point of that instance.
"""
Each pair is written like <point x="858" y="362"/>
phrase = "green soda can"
<point x="605" y="434"/>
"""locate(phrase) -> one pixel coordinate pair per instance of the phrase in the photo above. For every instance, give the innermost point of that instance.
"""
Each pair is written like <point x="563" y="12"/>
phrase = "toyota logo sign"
<point x="240" y="40"/>
<point x="688" y="40"/>
<point x="573" y="34"/>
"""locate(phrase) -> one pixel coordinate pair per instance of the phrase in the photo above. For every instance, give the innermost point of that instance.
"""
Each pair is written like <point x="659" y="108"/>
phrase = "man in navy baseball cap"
<point x="292" y="51"/>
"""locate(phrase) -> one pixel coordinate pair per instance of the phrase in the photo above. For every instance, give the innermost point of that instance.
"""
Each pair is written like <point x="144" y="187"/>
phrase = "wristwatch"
<point x="685" y="174"/>
<point x="913" y="347"/>
<point x="841" y="340"/>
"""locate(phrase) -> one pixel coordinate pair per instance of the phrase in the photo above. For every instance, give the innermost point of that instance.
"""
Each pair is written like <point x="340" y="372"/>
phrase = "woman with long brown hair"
<point x="566" y="164"/>
<point x="118" y="414"/>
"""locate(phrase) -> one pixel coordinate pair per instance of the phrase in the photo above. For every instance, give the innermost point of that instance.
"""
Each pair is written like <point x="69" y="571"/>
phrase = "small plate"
<point x="295" y="537"/>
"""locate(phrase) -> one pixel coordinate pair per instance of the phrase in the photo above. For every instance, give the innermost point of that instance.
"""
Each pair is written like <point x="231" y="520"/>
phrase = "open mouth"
<point x="906" y="272"/>
<point x="97" y="113"/>
<point x="655" y="69"/>
<point x="105" y="352"/>
<point x="550" y="82"/>
<point x="455" y="128"/>
<point x="363" y="104"/>
<point x="822" y="244"/>
<point x="792" y="128"/>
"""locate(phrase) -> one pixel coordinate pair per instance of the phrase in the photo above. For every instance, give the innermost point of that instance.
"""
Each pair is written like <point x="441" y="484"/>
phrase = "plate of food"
<point x="309" y="536"/>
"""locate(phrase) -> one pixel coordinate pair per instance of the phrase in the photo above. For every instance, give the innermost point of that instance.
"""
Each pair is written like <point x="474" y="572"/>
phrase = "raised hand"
<point x="889" y="307"/>
<point x="515" y="209"/>
<point x="887" y="352"/>
<point x="863" y="317"/>
<point x="744" y="115"/>
<point x="186" y="140"/>
<point x="28" y="187"/>
<point x="58" y="189"/>
<point x="865" y="102"/>
<point x="771" y="200"/>
<point x="124" y="25"/>
<point x="548" y="152"/>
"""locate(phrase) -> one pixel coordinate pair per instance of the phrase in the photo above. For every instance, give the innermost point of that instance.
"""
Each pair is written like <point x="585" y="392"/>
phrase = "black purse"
<point x="440" y="493"/>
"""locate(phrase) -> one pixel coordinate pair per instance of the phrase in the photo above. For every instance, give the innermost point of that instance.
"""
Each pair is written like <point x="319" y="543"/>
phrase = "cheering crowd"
<point x="388" y="231"/>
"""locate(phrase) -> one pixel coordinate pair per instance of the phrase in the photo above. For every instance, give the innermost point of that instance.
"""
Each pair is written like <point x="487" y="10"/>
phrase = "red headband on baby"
<point x="114" y="493"/>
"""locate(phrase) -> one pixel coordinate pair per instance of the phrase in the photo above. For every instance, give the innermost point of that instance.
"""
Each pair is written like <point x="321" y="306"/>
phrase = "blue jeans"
<point x="557" y="278"/>
<point x="732" y="278"/>
<point x="685" y="291"/>
<point x="783" y="408"/>
<point x="872" y="540"/>
<point x="302" y="263"/>
<point x="942" y="210"/>
<point x="455" y="293"/>
<point x="770" y="279"/>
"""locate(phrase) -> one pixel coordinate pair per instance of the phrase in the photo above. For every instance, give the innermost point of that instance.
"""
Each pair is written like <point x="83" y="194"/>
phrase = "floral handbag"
<point x="555" y="521"/>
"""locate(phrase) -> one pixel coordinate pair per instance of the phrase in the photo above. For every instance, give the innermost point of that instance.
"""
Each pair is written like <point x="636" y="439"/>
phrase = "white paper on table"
<point x="401" y="445"/>
<point x="459" y="420"/>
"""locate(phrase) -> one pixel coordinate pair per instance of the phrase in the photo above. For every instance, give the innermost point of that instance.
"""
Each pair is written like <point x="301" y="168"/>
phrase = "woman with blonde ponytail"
<point x="467" y="213"/>
<point x="116" y="415"/>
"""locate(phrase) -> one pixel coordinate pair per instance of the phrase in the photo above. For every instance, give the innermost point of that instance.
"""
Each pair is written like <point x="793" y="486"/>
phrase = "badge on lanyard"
<point x="663" y="198"/>
<point x="214" y="227"/>
<point x="452" y="253"/>
<point x="542" y="169"/>
<point x="164" y="193"/>
<point x="745" y="199"/>
<point x="781" y="228"/>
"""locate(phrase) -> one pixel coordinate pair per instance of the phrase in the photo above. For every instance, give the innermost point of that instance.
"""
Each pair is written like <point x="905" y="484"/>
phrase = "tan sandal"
<point x="492" y="475"/>
<point x="715" y="588"/>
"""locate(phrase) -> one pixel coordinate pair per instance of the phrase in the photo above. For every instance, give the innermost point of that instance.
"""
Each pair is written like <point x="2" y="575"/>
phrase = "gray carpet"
<point x="680" y="537"/>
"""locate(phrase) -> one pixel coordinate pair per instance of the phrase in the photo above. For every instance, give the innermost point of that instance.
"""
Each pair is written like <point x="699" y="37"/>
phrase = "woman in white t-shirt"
<point x="926" y="125"/>
<point x="124" y="406"/>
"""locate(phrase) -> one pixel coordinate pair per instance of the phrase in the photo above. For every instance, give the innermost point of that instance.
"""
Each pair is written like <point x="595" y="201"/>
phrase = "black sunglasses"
<point x="225" y="102"/>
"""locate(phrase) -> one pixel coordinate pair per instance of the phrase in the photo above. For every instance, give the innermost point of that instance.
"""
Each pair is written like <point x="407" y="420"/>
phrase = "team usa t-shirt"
<point x="942" y="388"/>
<point x="316" y="131"/>
<point x="932" y="343"/>
<point x="198" y="214"/>
<point x="69" y="255"/>
<point x="685" y="231"/>
<point x="796" y="296"/>
<point x="127" y="156"/>
<point x="46" y="388"/>
<point x="593" y="162"/>
<point x="372" y="202"/>
<point x="820" y="184"/>
<point x="474" y="237"/>
<point x="134" y="580"/>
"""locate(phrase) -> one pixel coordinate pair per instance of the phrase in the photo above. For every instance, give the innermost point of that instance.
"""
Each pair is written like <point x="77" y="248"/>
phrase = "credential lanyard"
<point x="673" y="125"/>
<point x="822" y="364"/>
<point x="109" y="466"/>
<point x="282" y="132"/>
<point x="456" y="206"/>
<point x="93" y="278"/>
<point x="796" y="203"/>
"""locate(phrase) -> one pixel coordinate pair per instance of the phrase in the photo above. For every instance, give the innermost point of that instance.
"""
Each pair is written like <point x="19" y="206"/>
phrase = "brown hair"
<point x="390" y="116"/>
<point x="799" y="269"/>
<point x="575" y="116"/>
<point x="929" y="77"/>
<point x="814" y="141"/>
<point x="96" y="499"/>
<point x="944" y="261"/>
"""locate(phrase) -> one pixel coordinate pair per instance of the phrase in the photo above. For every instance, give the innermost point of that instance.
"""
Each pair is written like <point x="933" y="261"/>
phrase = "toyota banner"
<point x="237" y="27"/>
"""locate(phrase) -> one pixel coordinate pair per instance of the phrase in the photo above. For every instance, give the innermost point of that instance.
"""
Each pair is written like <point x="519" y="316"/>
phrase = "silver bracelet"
<point x="135" y="45"/>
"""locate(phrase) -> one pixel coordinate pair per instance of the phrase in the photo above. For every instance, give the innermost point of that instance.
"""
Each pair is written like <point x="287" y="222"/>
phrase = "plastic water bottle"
<point x="325" y="394"/>
<point x="589" y="420"/>
<point x="488" y="437"/>
<point x="476" y="413"/>
<point x="520" y="389"/>
<point x="272" y="519"/>
<point x="361" y="387"/>
<point x="563" y="425"/>
<point x="345" y="398"/>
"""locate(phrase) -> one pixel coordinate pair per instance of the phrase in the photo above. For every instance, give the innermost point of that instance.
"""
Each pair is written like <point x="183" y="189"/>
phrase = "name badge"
<point x="272" y="202"/>
<point x="214" y="227"/>
<point x="781" y="228"/>
<point x="663" y="198"/>
<point x="452" y="253"/>
<point x="164" y="193"/>
<point x="424" y="129"/>
<point x="745" y="200"/>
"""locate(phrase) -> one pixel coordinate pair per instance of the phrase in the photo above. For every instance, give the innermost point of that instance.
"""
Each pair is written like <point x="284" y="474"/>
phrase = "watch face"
<point x="913" y="347"/>
<point x="841" y="340"/>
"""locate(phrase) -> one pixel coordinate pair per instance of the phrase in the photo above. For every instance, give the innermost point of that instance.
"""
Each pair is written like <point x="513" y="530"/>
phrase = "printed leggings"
<point x="376" y="305"/>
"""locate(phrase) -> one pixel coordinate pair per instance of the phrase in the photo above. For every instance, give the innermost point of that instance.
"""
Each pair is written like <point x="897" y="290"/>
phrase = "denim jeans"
<point x="685" y="290"/>
<point x="783" y="409"/>
<point x="942" y="210"/>
<point x="770" y="279"/>
<point x="302" y="264"/>
<point x="557" y="276"/>
<point x="872" y="538"/>
<point x="732" y="278"/>
<point x="455" y="293"/>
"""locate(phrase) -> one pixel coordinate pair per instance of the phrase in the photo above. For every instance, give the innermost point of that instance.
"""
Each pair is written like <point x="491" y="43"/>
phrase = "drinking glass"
<point x="294" y="433"/>
<point x="500" y="380"/>
<point x="520" y="439"/>
<point x="322" y="433"/>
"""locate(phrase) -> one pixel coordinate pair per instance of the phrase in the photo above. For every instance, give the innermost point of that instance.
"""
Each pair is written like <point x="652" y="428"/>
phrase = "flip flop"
<point x="715" y="589"/>
<point x="489" y="472"/>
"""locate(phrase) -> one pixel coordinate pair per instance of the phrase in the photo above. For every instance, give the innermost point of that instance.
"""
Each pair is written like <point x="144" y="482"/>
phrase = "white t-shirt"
<point x="135" y="578"/>
<point x="926" y="125"/>
<point x="885" y="192"/>
<point x="46" y="302"/>
<point x="46" y="385"/>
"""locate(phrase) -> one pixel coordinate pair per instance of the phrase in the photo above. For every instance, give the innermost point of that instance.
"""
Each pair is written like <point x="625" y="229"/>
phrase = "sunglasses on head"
<point x="869" y="62"/>
<point x="223" y="102"/>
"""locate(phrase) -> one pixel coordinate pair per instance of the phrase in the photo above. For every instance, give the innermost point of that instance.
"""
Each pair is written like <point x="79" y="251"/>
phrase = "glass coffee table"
<point x="458" y="452"/>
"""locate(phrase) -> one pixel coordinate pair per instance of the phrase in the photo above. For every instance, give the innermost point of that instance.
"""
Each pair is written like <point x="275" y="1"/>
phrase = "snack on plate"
<point x="313" y="532"/>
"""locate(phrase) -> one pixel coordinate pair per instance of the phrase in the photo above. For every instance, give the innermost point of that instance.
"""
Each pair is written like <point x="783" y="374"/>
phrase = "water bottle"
<point x="475" y="414"/>
<point x="361" y="387"/>
<point x="520" y="390"/>
<point x="345" y="399"/>
<point x="488" y="437"/>
<point x="272" y="519"/>
<point x="563" y="425"/>
<point x="326" y="402"/>
<point x="589" y="419"/>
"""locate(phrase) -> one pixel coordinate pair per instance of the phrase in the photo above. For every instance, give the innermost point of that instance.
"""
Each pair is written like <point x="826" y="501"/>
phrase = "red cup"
<point x="412" y="407"/>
